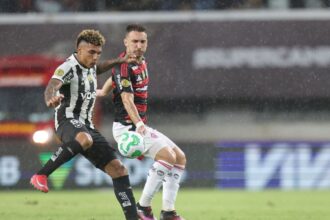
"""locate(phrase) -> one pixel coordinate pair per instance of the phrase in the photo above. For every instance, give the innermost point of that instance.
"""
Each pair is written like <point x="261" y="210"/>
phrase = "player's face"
<point x="88" y="54"/>
<point x="136" y="43"/>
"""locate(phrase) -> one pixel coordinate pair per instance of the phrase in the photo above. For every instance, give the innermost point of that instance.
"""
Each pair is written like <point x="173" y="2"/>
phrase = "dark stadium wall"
<point x="274" y="59"/>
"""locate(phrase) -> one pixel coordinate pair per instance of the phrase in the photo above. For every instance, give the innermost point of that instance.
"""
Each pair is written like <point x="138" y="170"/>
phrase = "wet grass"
<point x="193" y="204"/>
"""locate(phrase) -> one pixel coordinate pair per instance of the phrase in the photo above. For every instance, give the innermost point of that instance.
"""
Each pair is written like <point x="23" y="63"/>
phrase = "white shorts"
<point x="153" y="140"/>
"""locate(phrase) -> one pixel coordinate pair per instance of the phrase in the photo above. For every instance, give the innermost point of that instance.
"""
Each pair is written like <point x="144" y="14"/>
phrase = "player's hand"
<point x="54" y="101"/>
<point x="142" y="130"/>
<point x="129" y="58"/>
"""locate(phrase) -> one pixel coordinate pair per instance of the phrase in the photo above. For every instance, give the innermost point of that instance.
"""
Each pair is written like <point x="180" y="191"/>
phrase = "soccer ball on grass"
<point x="131" y="144"/>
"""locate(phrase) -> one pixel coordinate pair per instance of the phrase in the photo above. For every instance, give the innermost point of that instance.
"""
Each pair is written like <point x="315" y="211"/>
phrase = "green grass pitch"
<point x="193" y="204"/>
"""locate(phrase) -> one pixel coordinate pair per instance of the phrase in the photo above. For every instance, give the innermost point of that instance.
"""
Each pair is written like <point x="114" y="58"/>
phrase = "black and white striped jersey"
<point x="79" y="90"/>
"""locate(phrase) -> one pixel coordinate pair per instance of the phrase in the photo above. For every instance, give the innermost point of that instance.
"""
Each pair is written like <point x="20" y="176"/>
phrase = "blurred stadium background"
<point x="242" y="86"/>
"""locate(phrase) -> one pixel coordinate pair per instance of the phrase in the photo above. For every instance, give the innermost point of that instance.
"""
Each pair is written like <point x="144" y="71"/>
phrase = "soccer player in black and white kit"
<point x="72" y="92"/>
<point x="130" y="95"/>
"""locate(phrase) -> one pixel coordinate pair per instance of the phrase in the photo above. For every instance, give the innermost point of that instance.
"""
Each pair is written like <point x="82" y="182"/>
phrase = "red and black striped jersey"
<point x="132" y="78"/>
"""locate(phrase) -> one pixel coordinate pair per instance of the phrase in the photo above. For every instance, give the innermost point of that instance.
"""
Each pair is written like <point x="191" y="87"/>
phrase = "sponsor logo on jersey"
<point x="59" y="72"/>
<point x="139" y="78"/>
<point x="88" y="95"/>
<point x="125" y="83"/>
<point x="90" y="78"/>
<point x="76" y="123"/>
<point x="68" y="77"/>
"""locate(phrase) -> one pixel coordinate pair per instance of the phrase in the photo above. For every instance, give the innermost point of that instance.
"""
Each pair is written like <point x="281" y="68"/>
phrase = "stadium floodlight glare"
<point x="42" y="136"/>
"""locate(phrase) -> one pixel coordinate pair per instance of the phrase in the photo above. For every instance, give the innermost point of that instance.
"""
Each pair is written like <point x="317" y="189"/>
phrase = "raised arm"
<point x="108" y="64"/>
<point x="51" y="99"/>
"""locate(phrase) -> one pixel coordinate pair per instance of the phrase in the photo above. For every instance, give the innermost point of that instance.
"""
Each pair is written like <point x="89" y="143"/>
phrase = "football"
<point x="131" y="144"/>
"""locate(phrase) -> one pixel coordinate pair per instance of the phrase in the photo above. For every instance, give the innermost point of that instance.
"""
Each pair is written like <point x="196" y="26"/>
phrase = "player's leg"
<point x="171" y="183"/>
<point x="165" y="158"/>
<point x="155" y="176"/>
<point x="102" y="155"/>
<point x="163" y="164"/>
<point x="171" y="187"/>
<point x="122" y="188"/>
<point x="76" y="139"/>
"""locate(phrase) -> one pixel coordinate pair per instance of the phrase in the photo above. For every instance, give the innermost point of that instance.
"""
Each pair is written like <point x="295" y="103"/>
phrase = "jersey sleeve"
<point x="63" y="73"/>
<point x="122" y="79"/>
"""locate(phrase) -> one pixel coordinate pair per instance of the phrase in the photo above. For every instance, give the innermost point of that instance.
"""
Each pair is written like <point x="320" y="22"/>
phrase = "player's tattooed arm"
<point x="50" y="94"/>
<point x="108" y="64"/>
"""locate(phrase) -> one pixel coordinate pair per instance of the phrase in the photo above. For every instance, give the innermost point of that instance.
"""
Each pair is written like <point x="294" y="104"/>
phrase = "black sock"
<point x="62" y="155"/>
<point x="124" y="194"/>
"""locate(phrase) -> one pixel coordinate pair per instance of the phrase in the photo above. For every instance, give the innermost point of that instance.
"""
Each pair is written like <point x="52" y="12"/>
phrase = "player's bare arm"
<point x="51" y="99"/>
<point x="106" y="89"/>
<point x="108" y="64"/>
<point x="128" y="101"/>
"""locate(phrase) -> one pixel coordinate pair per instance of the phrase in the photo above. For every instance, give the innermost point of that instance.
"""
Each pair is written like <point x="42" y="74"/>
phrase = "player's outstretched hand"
<point x="129" y="58"/>
<point x="55" y="101"/>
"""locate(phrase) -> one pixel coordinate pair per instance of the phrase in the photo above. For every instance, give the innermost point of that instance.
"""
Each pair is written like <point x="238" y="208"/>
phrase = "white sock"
<point x="171" y="187"/>
<point x="155" y="178"/>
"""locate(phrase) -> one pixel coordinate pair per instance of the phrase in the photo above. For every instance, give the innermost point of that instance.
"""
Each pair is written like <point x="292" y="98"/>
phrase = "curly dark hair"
<point x="91" y="36"/>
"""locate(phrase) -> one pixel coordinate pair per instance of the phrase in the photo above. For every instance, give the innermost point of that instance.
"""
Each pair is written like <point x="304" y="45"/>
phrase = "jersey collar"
<point x="74" y="56"/>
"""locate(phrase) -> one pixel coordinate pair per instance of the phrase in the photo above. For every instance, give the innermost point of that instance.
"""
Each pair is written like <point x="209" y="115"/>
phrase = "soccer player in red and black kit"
<point x="130" y="95"/>
<point x="72" y="92"/>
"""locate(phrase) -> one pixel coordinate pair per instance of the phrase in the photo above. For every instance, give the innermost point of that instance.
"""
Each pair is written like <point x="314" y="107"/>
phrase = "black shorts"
<point x="99" y="154"/>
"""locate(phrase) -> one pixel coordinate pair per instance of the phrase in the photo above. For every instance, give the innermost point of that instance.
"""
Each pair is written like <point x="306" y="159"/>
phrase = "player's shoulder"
<point x="122" y="68"/>
<point x="64" y="69"/>
<point x="69" y="62"/>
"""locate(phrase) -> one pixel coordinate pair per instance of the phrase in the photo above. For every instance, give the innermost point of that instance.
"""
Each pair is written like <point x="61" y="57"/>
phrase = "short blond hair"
<point x="91" y="36"/>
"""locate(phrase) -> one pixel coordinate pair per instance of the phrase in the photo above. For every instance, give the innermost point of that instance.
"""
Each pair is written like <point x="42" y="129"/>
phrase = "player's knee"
<point x="166" y="154"/>
<point x="172" y="157"/>
<point x="180" y="156"/>
<point x="181" y="159"/>
<point x="115" y="169"/>
<point x="85" y="140"/>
